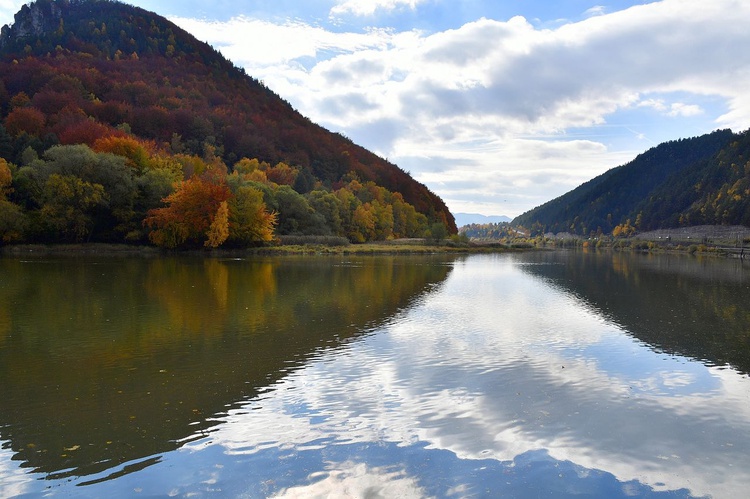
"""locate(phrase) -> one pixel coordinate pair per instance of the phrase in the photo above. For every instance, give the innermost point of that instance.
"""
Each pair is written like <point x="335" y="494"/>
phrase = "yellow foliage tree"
<point x="249" y="220"/>
<point x="5" y="178"/>
<point x="218" y="231"/>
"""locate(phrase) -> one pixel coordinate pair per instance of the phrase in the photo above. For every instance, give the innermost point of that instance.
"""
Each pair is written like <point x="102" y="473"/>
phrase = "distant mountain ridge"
<point x="72" y="69"/>
<point x="463" y="219"/>
<point x="697" y="181"/>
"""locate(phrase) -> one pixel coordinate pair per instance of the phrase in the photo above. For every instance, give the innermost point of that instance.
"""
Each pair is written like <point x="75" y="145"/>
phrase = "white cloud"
<point x="681" y="109"/>
<point x="352" y="479"/>
<point x="8" y="9"/>
<point x="597" y="10"/>
<point x="258" y="44"/>
<point x="488" y="83"/>
<point x="676" y="109"/>
<point x="13" y="478"/>
<point x="369" y="7"/>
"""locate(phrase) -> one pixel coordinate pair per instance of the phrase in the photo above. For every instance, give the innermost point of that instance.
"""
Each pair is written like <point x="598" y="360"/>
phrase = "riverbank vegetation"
<point x="124" y="190"/>
<point x="733" y="241"/>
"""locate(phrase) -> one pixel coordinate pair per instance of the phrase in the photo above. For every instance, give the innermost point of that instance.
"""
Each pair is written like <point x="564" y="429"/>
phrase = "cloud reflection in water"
<point x="494" y="383"/>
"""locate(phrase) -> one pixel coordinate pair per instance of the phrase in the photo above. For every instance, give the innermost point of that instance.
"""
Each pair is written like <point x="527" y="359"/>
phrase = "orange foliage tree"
<point x="190" y="212"/>
<point x="129" y="147"/>
<point x="282" y="174"/>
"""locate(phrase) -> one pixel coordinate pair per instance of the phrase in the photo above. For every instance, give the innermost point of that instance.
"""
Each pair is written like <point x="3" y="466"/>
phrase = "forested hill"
<point x="697" y="181"/>
<point x="117" y="79"/>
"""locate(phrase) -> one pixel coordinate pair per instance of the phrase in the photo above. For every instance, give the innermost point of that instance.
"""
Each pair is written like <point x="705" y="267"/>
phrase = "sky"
<point x="496" y="105"/>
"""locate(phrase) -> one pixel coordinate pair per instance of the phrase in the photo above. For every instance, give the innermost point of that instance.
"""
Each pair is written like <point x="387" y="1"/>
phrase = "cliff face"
<point x="32" y="21"/>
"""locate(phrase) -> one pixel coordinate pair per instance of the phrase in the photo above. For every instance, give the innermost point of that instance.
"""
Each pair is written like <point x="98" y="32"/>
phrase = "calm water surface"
<point x="536" y="375"/>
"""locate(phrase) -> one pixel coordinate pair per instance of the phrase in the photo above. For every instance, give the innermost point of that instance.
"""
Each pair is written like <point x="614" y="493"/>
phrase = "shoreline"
<point x="397" y="247"/>
<point x="381" y="248"/>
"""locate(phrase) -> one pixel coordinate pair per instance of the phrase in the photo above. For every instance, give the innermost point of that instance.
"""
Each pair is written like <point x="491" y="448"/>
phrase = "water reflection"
<point x="689" y="306"/>
<point x="516" y="380"/>
<point x="109" y="361"/>
<point x="506" y="380"/>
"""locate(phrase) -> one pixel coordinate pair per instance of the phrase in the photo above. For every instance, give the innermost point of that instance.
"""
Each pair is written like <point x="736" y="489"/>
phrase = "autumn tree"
<point x="6" y="178"/>
<point x="363" y="224"/>
<point x="282" y="174"/>
<point x="407" y="222"/>
<point x="623" y="230"/>
<point x="25" y="119"/>
<point x="128" y="147"/>
<point x="189" y="212"/>
<point x="12" y="218"/>
<point x="218" y="231"/>
<point x="246" y="165"/>
<point x="249" y="220"/>
<point x="86" y="131"/>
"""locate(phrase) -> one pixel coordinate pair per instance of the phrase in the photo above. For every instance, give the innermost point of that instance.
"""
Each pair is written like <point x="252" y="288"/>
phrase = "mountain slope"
<point x="70" y="66"/>
<point x="641" y="187"/>
<point x="715" y="191"/>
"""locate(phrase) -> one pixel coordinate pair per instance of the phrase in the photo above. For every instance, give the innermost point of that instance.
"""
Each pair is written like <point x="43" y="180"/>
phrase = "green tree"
<point x="13" y="222"/>
<point x="6" y="144"/>
<point x="68" y="205"/>
<point x="329" y="206"/>
<point x="114" y="212"/>
<point x="296" y="216"/>
<point x="438" y="232"/>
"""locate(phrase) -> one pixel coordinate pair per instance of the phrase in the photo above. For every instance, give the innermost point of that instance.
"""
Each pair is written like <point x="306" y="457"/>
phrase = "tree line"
<point x="123" y="189"/>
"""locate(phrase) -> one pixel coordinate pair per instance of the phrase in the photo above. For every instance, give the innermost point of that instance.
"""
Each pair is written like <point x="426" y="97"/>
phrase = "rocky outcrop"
<point x="32" y="20"/>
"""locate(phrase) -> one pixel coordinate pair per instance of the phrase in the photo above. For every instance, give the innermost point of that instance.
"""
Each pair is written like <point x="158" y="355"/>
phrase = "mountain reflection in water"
<point x="498" y="375"/>
<point x="689" y="306"/>
<point x="105" y="361"/>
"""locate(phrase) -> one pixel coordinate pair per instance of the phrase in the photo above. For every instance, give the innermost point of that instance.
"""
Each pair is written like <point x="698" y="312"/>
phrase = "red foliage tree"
<point x="87" y="132"/>
<point x="25" y="119"/>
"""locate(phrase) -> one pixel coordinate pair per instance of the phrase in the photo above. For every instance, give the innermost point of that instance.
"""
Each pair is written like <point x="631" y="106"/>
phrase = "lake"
<point x="543" y="374"/>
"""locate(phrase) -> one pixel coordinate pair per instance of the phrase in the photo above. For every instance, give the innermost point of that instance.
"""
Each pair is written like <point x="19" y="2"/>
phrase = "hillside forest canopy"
<point x="118" y="126"/>
<point x="690" y="182"/>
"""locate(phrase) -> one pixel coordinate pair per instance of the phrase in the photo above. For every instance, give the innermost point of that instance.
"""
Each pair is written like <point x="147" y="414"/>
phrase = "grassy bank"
<point x="407" y="247"/>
